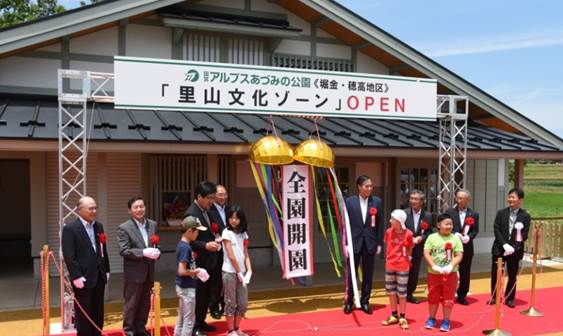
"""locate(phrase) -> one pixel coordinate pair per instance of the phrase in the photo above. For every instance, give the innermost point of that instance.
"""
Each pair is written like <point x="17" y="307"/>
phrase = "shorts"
<point x="442" y="288"/>
<point x="396" y="283"/>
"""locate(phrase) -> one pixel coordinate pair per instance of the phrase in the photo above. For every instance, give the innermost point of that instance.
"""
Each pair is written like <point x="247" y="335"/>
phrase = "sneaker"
<point x="445" y="326"/>
<point x="430" y="323"/>
<point x="403" y="323"/>
<point x="390" y="320"/>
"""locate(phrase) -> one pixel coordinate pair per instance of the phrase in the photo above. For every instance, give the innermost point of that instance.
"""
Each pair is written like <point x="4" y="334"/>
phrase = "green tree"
<point x="13" y="12"/>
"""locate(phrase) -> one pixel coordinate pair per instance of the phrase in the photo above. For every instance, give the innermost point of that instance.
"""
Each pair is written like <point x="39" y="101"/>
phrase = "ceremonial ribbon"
<point x="321" y="223"/>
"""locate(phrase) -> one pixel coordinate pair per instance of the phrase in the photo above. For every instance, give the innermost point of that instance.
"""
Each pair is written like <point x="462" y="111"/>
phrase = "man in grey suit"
<point x="139" y="254"/>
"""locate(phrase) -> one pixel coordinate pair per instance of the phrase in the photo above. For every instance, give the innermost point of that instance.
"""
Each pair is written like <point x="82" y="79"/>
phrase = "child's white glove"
<point x="202" y="275"/>
<point x="247" y="277"/>
<point x="240" y="277"/>
<point x="447" y="269"/>
<point x="437" y="268"/>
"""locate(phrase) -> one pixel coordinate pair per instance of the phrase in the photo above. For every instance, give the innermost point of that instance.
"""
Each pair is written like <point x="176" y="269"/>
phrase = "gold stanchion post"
<point x="497" y="331"/>
<point x="532" y="311"/>
<point x="45" y="289"/>
<point x="156" y="293"/>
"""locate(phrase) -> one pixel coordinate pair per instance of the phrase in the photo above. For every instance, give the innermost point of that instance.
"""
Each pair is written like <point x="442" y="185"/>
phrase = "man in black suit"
<point x="466" y="227"/>
<point x="511" y="231"/>
<point x="218" y="209"/>
<point x="139" y="255"/>
<point x="85" y="253"/>
<point x="366" y="224"/>
<point x="207" y="249"/>
<point x="420" y="223"/>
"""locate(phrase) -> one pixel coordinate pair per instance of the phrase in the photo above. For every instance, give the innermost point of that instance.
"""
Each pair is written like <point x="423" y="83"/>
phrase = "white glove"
<point x="508" y="249"/>
<point x="247" y="277"/>
<point x="465" y="239"/>
<point x="151" y="253"/>
<point x="107" y="276"/>
<point x="447" y="269"/>
<point x="79" y="282"/>
<point x="378" y="250"/>
<point x="202" y="275"/>
<point x="459" y="235"/>
<point x="519" y="226"/>
<point x="240" y="277"/>
<point x="437" y="268"/>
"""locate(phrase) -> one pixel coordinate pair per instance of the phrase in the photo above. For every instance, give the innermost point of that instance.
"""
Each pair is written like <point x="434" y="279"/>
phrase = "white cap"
<point x="401" y="216"/>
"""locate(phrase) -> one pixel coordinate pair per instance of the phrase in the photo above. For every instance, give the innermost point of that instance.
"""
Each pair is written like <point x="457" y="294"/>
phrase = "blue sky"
<point x="510" y="49"/>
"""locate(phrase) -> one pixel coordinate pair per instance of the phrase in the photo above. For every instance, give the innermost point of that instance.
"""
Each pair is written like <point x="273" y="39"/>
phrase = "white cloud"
<point x="479" y="45"/>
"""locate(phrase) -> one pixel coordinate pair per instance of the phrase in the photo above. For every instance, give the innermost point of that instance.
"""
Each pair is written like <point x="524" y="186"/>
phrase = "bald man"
<point x="86" y="257"/>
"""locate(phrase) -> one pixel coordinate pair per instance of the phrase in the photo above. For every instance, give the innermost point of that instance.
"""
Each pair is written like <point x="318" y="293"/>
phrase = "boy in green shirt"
<point x="443" y="251"/>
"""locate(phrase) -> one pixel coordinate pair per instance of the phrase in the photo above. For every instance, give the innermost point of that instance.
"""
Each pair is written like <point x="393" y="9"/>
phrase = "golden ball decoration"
<point x="271" y="150"/>
<point x="315" y="153"/>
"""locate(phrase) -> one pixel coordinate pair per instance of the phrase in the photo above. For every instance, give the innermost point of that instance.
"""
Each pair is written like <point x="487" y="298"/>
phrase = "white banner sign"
<point x="159" y="84"/>
<point x="297" y="217"/>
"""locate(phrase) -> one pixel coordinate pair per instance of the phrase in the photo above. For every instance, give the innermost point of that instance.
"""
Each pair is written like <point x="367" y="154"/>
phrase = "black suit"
<point x="83" y="261"/>
<point x="365" y="239"/>
<point x="216" y="284"/>
<point x="502" y="236"/>
<point x="468" y="250"/>
<point x="205" y="259"/>
<point x="418" y="249"/>
<point x="138" y="273"/>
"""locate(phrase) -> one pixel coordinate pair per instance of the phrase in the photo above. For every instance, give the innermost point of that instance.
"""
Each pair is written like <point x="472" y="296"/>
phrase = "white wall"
<point x="293" y="47"/>
<point x="369" y="65"/>
<point x="103" y="42"/>
<point x="24" y="71"/>
<point x="148" y="41"/>
<point x="334" y="51"/>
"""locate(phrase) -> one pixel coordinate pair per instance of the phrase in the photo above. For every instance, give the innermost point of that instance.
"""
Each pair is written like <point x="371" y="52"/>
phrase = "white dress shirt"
<point x="143" y="228"/>
<point x="90" y="231"/>
<point x="416" y="218"/>
<point x="363" y="207"/>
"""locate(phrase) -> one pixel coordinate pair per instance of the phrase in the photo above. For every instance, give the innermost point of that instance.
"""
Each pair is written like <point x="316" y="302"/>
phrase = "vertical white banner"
<point x="297" y="217"/>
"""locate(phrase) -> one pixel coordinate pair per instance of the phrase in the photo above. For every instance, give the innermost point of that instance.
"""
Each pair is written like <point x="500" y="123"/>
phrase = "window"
<point x="423" y="179"/>
<point x="343" y="175"/>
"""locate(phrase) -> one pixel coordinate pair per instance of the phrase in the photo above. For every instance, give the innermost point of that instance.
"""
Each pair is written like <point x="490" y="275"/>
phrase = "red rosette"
<point x="448" y="246"/>
<point x="102" y="238"/>
<point x="214" y="228"/>
<point x="373" y="211"/>
<point x="424" y="225"/>
<point x="469" y="221"/>
<point x="155" y="240"/>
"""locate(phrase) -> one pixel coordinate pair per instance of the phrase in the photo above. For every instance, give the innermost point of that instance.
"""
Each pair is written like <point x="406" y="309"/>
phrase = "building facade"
<point x="138" y="153"/>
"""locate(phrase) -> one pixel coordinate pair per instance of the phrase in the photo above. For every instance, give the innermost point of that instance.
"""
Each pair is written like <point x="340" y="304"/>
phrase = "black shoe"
<point x="491" y="302"/>
<point x="412" y="299"/>
<point x="366" y="308"/>
<point x="510" y="303"/>
<point x="462" y="301"/>
<point x="216" y="314"/>
<point x="347" y="308"/>
<point x="198" y="332"/>
<point x="207" y="327"/>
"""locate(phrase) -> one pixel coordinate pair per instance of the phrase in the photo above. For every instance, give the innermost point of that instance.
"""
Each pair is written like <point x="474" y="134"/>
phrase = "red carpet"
<point x="466" y="320"/>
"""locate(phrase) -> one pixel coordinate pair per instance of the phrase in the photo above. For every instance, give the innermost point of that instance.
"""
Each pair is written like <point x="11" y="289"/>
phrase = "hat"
<point x="192" y="222"/>
<point x="401" y="216"/>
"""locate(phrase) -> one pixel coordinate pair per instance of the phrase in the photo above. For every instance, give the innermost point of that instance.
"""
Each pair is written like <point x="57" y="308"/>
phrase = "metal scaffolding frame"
<point x="75" y="125"/>
<point x="452" y="147"/>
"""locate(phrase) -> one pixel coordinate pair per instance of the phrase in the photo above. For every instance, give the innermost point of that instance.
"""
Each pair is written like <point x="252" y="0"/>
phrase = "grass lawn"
<point x="543" y="184"/>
